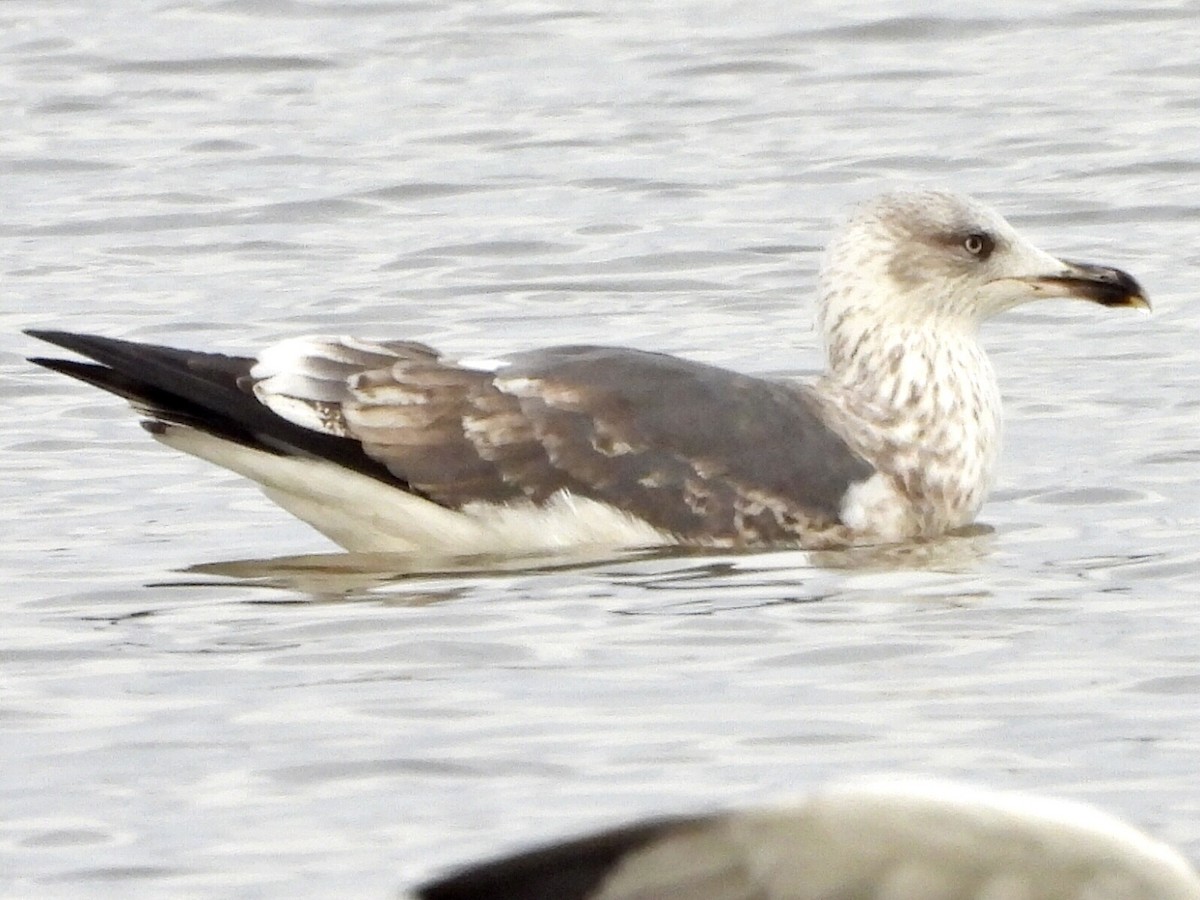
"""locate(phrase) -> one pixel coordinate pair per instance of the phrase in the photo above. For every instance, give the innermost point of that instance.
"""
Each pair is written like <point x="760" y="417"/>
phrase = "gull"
<point x="895" y="839"/>
<point x="392" y="446"/>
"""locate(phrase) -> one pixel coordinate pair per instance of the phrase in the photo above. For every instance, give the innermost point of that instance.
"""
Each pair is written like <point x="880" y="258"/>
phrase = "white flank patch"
<point x="874" y="507"/>
<point x="365" y="515"/>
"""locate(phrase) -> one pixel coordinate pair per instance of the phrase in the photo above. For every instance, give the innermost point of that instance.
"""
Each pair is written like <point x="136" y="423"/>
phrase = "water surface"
<point x="180" y="721"/>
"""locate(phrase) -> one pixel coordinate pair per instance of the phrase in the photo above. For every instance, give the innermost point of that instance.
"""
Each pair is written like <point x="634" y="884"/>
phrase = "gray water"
<point x="187" y="713"/>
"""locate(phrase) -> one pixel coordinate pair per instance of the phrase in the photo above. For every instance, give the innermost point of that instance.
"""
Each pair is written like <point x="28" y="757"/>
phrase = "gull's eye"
<point x="979" y="244"/>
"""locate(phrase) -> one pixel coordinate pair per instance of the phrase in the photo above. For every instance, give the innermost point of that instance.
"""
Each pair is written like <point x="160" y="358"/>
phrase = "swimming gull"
<point x="896" y="839"/>
<point x="389" y="445"/>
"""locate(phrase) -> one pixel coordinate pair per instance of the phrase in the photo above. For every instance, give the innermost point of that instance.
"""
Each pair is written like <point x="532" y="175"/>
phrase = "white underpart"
<point x="365" y="515"/>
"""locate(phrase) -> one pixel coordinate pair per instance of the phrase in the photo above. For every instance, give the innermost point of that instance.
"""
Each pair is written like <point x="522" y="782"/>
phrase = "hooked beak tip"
<point x="1101" y="284"/>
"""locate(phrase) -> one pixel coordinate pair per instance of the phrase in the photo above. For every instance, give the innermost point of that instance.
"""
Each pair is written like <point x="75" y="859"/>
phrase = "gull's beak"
<point x="1100" y="284"/>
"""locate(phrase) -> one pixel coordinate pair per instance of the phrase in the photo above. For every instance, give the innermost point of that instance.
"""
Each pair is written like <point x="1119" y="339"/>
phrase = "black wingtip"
<point x="102" y="349"/>
<point x="65" y="366"/>
<point x="51" y="336"/>
<point x="572" y="870"/>
<point x="106" y="379"/>
<point x="68" y="341"/>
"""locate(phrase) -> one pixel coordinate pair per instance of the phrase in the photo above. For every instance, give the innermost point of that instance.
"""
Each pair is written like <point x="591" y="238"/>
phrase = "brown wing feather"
<point x="701" y="452"/>
<point x="449" y="430"/>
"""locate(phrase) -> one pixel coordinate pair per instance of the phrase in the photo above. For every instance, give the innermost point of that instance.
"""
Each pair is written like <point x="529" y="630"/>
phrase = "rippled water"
<point x="186" y="713"/>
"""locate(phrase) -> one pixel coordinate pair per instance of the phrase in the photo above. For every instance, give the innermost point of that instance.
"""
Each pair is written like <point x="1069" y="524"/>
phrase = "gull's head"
<point x="917" y="257"/>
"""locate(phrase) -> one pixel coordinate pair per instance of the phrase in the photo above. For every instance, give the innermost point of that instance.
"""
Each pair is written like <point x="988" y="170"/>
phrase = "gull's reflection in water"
<point x="348" y="576"/>
<point x="959" y="551"/>
<point x="344" y="576"/>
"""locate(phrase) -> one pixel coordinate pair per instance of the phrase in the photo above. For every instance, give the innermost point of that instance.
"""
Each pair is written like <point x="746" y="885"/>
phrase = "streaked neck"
<point x="927" y="408"/>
